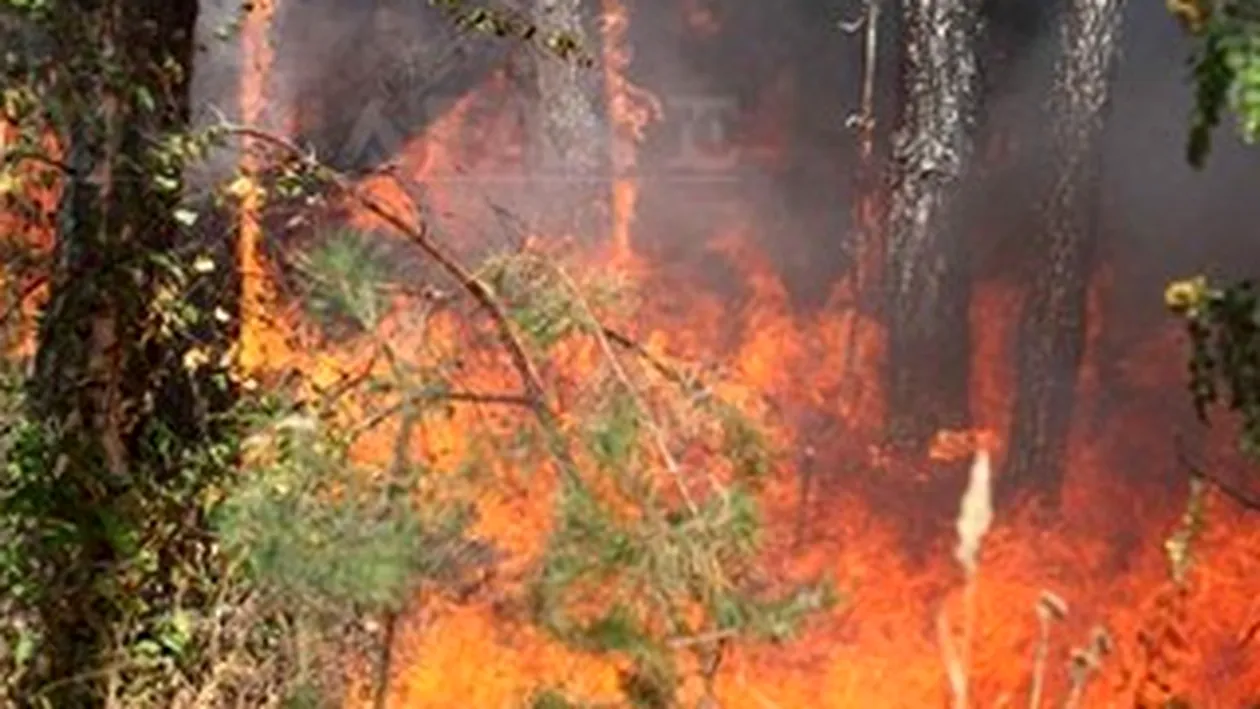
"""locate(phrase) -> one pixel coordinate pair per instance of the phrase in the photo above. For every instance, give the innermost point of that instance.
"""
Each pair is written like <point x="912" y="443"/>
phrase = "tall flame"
<point x="261" y="343"/>
<point x="630" y="110"/>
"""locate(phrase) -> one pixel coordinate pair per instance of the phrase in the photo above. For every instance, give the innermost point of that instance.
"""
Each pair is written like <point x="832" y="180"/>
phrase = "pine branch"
<point x="658" y="435"/>
<point x="422" y="237"/>
<point x="451" y="396"/>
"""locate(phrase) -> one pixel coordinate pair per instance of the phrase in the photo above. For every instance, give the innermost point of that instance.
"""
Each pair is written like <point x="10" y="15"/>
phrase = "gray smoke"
<point x="790" y="64"/>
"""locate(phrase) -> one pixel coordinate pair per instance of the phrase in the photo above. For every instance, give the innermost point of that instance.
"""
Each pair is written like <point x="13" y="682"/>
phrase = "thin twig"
<point x="658" y="434"/>
<point x="348" y="382"/>
<point x="806" y="476"/>
<point x="659" y="365"/>
<point x="969" y="624"/>
<point x="1084" y="665"/>
<point x="1049" y="608"/>
<point x="464" y="397"/>
<point x="701" y="639"/>
<point x="384" y="667"/>
<point x="1244" y="498"/>
<point x="851" y="26"/>
<point x="865" y="273"/>
<point x="22" y="296"/>
<point x="17" y="155"/>
<point x="1039" y="662"/>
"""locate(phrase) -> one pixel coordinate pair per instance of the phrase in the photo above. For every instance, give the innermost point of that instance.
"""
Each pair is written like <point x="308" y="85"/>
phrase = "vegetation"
<point x="1221" y="319"/>
<point x="1226" y="68"/>
<point x="170" y="535"/>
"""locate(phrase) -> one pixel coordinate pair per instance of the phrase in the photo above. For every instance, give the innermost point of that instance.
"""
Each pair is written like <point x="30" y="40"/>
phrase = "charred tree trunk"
<point x="926" y="266"/>
<point x="1052" y="335"/>
<point x="570" y="144"/>
<point x="104" y="388"/>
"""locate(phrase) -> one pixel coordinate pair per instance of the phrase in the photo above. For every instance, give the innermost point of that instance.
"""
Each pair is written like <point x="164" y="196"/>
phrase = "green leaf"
<point x="165" y="183"/>
<point x="185" y="216"/>
<point x="177" y="634"/>
<point x="145" y="98"/>
<point x="24" y="648"/>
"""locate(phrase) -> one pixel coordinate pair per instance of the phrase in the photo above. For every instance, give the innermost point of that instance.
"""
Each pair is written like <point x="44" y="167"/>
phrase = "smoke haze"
<point x="770" y="88"/>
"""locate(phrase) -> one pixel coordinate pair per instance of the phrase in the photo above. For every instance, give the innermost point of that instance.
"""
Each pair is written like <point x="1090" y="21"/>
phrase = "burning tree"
<point x="1052" y="334"/>
<point x="927" y="281"/>
<point x="652" y="555"/>
<point x="652" y="559"/>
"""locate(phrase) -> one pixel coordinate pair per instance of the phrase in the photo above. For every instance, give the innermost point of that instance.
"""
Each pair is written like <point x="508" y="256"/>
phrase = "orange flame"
<point x="26" y="231"/>
<point x="631" y="110"/>
<point x="262" y="342"/>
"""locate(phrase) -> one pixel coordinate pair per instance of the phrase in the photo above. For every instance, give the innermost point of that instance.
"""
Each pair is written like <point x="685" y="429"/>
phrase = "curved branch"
<point x="423" y="238"/>
<point x="535" y="396"/>
<point x="14" y="156"/>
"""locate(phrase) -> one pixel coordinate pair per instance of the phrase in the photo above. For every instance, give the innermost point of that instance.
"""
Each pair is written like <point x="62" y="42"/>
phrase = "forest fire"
<point x="1080" y="606"/>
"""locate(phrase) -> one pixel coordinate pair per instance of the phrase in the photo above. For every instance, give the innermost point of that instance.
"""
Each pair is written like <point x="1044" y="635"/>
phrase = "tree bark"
<point x="926" y="272"/>
<point x="1052" y="333"/>
<point x="571" y="145"/>
<point x="100" y="386"/>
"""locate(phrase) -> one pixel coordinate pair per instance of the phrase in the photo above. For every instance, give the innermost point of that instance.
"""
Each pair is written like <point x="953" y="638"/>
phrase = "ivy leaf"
<point x="145" y="99"/>
<point x="185" y="216"/>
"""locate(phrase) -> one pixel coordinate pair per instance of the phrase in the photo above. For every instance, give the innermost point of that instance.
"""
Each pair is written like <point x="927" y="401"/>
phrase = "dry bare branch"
<point x="1050" y="608"/>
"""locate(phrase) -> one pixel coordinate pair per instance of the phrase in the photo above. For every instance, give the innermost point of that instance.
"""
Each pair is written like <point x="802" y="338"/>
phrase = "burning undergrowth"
<point x="1100" y="560"/>
<point x="711" y="443"/>
<point x="1102" y="554"/>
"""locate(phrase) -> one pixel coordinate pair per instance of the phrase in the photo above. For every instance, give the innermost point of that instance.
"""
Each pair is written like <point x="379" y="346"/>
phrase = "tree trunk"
<point x="102" y="386"/>
<point x="926" y="261"/>
<point x="215" y="90"/>
<point x="571" y="147"/>
<point x="1052" y="335"/>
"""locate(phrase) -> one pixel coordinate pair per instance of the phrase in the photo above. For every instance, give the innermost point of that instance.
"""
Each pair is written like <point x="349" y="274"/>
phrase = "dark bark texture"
<point x="1052" y="330"/>
<point x="569" y="140"/>
<point x="925" y="259"/>
<point x="100" y="385"/>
